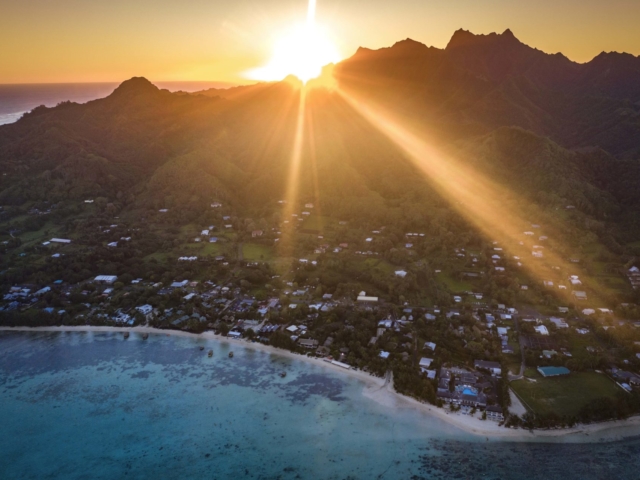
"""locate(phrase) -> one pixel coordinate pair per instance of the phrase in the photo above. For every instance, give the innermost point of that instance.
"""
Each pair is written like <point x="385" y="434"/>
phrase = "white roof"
<point x="105" y="278"/>
<point x="541" y="329"/>
<point x="426" y="362"/>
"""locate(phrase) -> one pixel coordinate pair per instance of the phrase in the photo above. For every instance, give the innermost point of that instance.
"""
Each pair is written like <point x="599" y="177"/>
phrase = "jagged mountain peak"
<point x="465" y="38"/>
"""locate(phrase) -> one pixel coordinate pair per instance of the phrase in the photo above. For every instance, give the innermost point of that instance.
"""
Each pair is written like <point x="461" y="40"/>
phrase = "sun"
<point x="302" y="51"/>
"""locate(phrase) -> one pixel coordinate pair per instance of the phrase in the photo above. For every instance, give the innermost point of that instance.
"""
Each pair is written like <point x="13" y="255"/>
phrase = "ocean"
<point x="93" y="405"/>
<point x="15" y="100"/>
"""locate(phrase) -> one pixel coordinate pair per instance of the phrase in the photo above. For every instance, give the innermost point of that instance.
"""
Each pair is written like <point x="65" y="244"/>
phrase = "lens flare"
<point x="302" y="51"/>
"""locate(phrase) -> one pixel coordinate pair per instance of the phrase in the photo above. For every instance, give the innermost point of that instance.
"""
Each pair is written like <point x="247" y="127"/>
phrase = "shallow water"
<point x="93" y="405"/>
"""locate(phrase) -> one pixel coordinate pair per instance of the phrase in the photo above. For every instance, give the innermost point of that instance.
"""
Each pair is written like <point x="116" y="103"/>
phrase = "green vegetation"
<point x="257" y="253"/>
<point x="564" y="395"/>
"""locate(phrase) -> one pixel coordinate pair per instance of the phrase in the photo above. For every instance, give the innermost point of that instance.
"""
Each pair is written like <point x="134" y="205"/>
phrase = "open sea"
<point x="17" y="99"/>
<point x="96" y="406"/>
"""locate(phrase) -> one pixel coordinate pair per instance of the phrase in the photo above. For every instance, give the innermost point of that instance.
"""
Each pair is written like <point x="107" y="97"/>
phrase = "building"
<point x="492" y="367"/>
<point x="108" y="279"/>
<point x="553" y="371"/>
<point x="256" y="233"/>
<point x="366" y="299"/>
<point x="541" y="330"/>
<point x="308" y="343"/>
<point x="425" y="363"/>
<point x="60" y="240"/>
<point x="579" y="295"/>
<point x="494" y="412"/>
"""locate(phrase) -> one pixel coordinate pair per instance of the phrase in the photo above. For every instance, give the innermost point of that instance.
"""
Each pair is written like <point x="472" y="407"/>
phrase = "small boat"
<point x="230" y="354"/>
<point x="126" y="335"/>
<point x="145" y="336"/>
<point x="201" y="347"/>
<point x="210" y="354"/>
<point x="283" y="374"/>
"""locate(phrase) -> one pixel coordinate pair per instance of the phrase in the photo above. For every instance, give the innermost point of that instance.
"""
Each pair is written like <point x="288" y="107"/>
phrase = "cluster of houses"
<point x="633" y="274"/>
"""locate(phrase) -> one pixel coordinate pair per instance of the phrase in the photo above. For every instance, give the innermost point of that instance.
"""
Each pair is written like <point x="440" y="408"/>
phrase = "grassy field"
<point x="381" y="265"/>
<point x="564" y="395"/>
<point x="254" y="252"/>
<point x="316" y="222"/>
<point x="455" y="286"/>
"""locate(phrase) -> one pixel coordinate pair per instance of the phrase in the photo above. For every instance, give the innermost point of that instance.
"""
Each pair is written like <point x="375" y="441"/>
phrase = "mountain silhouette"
<point x="558" y="130"/>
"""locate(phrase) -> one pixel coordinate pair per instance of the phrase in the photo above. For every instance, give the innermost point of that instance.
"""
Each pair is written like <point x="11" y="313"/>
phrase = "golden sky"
<point x="220" y="40"/>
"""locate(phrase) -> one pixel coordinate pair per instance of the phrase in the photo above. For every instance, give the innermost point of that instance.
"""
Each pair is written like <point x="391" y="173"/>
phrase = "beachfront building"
<point x="468" y="388"/>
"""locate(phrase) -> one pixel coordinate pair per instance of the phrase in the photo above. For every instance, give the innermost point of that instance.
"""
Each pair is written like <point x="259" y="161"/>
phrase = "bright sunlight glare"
<point x="302" y="51"/>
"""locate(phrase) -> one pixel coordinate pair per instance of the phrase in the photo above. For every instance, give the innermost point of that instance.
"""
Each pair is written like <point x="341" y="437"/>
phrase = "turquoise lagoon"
<point x="95" y="406"/>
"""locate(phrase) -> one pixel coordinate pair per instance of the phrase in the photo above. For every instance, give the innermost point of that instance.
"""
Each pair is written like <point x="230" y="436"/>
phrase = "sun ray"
<point x="485" y="203"/>
<point x="293" y="177"/>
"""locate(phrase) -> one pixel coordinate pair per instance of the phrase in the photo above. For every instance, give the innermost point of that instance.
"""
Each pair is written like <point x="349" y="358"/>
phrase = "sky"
<point x="47" y="41"/>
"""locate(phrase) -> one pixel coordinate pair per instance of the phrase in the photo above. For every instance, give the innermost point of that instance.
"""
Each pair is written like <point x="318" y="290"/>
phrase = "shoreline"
<point x="381" y="392"/>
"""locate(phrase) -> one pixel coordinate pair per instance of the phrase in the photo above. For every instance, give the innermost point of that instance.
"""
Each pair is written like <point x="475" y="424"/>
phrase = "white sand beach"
<point x="382" y="392"/>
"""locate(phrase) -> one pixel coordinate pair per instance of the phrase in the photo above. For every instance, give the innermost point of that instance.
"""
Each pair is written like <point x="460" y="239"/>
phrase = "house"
<point x="541" y="330"/>
<point x="292" y="329"/>
<point x="112" y="244"/>
<point x="234" y="334"/>
<point x="256" y="233"/>
<point x="400" y="273"/>
<point x="579" y="295"/>
<point x="425" y="363"/>
<point x="430" y="345"/>
<point x="108" y="279"/>
<point x="308" y="343"/>
<point x="216" y="205"/>
<point x="384" y="354"/>
<point x="494" y="412"/>
<point x="559" y="322"/>
<point x="42" y="291"/>
<point x="145" y="309"/>
<point x="366" y="299"/>
<point x="493" y="367"/>
<point x="60" y="240"/>
<point x="181" y="284"/>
